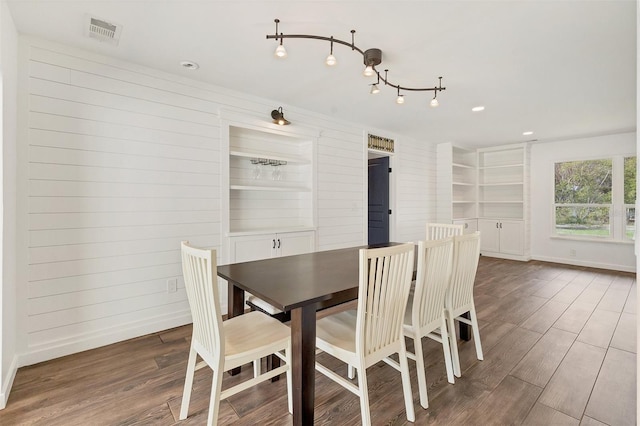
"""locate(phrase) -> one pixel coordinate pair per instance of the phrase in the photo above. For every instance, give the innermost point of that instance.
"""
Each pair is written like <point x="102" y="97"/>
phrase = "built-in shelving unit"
<point x="270" y="181"/>
<point x="487" y="189"/>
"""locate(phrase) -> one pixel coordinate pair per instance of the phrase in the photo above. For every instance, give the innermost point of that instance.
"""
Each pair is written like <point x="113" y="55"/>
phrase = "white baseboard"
<point x="589" y="264"/>
<point x="74" y="344"/>
<point x="7" y="382"/>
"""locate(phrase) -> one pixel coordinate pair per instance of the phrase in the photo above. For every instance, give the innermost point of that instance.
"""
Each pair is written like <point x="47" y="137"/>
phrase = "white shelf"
<point x="463" y="183"/>
<point x="245" y="154"/>
<point x="279" y="188"/>
<point x="463" y="202"/>
<point x="502" y="184"/>
<point x="502" y="166"/>
<point x="500" y="202"/>
<point x="463" y="166"/>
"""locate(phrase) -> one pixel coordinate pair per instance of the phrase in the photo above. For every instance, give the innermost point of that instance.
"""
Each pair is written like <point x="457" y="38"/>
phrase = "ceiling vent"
<point x="102" y="30"/>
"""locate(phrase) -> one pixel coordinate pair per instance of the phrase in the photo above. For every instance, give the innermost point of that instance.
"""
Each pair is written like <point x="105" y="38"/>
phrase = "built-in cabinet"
<point x="501" y="236"/>
<point x="487" y="190"/>
<point x="268" y="183"/>
<point x="245" y="248"/>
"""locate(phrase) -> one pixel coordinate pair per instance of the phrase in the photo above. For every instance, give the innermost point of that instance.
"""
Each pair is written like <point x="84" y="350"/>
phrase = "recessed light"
<point x="190" y="65"/>
<point x="527" y="133"/>
<point x="477" y="108"/>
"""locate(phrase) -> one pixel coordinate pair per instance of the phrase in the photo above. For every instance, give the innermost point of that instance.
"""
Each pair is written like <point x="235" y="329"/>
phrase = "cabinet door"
<point x="489" y="235"/>
<point x="252" y="247"/>
<point x="292" y="243"/>
<point x="512" y="237"/>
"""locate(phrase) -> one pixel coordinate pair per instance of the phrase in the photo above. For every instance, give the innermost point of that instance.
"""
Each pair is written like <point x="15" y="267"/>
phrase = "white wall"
<point x="121" y="163"/>
<point x="8" y="71"/>
<point x="609" y="255"/>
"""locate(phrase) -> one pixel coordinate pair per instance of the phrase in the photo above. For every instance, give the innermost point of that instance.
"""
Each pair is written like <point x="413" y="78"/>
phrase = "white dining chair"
<point x="224" y="345"/>
<point x="425" y="315"/>
<point x="459" y="297"/>
<point x="438" y="231"/>
<point x="372" y="332"/>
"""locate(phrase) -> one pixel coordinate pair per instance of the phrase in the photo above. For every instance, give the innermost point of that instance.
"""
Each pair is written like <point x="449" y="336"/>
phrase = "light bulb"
<point x="368" y="71"/>
<point x="281" y="121"/>
<point x="331" y="60"/>
<point x="281" y="52"/>
<point x="400" y="99"/>
<point x="374" y="89"/>
<point x="434" y="102"/>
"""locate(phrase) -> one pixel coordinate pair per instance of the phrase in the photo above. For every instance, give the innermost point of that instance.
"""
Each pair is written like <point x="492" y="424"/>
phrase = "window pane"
<point x="583" y="221"/>
<point x="583" y="182"/>
<point x="630" y="180"/>
<point x="631" y="223"/>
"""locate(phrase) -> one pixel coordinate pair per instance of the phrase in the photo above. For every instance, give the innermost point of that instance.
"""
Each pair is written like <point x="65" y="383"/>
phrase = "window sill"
<point x="592" y="240"/>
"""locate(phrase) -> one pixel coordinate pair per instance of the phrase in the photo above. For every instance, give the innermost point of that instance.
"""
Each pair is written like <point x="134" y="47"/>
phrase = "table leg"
<point x="465" y="330"/>
<point x="235" y="307"/>
<point x="303" y="345"/>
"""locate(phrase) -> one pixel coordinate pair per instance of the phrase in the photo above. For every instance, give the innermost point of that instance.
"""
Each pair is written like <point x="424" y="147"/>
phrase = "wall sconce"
<point x="278" y="117"/>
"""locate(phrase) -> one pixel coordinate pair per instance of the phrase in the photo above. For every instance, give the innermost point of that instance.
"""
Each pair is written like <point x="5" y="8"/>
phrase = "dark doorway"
<point x="379" y="200"/>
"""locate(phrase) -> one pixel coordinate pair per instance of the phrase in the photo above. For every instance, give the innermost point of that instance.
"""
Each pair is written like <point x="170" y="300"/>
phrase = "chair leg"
<point x="446" y="349"/>
<point x="351" y="372"/>
<point x="476" y="332"/>
<point x="214" y="400"/>
<point x="364" y="396"/>
<point x="420" y="371"/>
<point x="287" y="354"/>
<point x="256" y="367"/>
<point x="188" y="384"/>
<point x="406" y="383"/>
<point x="454" y="344"/>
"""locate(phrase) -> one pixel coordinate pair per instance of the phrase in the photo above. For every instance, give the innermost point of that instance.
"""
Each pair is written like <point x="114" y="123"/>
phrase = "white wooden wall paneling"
<point x="114" y="155"/>
<point x="85" y="282"/>
<point x="123" y="161"/>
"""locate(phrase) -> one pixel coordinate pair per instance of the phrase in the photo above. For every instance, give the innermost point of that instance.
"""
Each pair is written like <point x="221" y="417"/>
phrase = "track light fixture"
<point x="371" y="58"/>
<point x="400" y="98"/>
<point x="278" y="117"/>
<point x="434" y="102"/>
<point x="331" y="60"/>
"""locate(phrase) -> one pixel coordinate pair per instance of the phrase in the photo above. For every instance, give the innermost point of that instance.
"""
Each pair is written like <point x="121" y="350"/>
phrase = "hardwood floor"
<point x="559" y="348"/>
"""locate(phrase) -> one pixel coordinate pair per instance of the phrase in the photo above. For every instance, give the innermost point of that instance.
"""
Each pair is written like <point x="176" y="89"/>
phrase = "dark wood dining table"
<point x="301" y="284"/>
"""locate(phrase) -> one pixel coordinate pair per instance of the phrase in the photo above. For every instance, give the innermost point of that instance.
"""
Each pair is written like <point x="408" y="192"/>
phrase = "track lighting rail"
<point x="371" y="58"/>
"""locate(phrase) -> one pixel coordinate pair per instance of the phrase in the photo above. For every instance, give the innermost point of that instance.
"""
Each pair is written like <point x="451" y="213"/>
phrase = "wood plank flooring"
<point x="559" y="348"/>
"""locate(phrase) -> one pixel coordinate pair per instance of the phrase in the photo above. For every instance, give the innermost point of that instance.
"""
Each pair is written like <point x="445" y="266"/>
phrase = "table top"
<point x="291" y="282"/>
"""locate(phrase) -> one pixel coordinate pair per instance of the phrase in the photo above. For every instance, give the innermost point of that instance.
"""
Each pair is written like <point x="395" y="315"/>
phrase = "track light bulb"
<point x="368" y="71"/>
<point x="434" y="102"/>
<point x="374" y="89"/>
<point x="281" y="52"/>
<point x="400" y="99"/>
<point x="331" y="60"/>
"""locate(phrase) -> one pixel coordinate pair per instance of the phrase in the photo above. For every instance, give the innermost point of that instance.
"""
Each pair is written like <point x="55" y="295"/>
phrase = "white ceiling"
<point x="561" y="69"/>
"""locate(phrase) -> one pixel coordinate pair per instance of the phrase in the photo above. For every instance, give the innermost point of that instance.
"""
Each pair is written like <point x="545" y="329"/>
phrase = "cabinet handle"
<point x="274" y="243"/>
<point x="278" y="242"/>
<point x="466" y="225"/>
<point x="500" y="225"/>
<point x="497" y="225"/>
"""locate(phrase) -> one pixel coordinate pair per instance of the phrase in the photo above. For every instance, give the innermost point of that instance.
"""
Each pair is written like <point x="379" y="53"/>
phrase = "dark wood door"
<point x="379" y="200"/>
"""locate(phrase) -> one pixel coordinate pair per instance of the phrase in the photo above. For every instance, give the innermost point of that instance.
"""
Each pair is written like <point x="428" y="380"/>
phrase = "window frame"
<point x="617" y="207"/>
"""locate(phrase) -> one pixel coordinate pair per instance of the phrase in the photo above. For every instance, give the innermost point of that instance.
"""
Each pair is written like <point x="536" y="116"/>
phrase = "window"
<point x="630" y="197"/>
<point x="595" y="198"/>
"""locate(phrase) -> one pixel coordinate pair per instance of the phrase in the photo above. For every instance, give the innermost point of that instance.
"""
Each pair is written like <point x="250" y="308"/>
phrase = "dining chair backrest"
<point x="432" y="280"/>
<point x="438" y="231"/>
<point x="199" y="268"/>
<point x="385" y="281"/>
<point x="466" y="252"/>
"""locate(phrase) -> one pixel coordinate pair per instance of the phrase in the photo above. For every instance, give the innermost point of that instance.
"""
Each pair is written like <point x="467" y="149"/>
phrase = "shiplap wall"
<point x="121" y="167"/>
<point x="416" y="188"/>
<point x="123" y="163"/>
